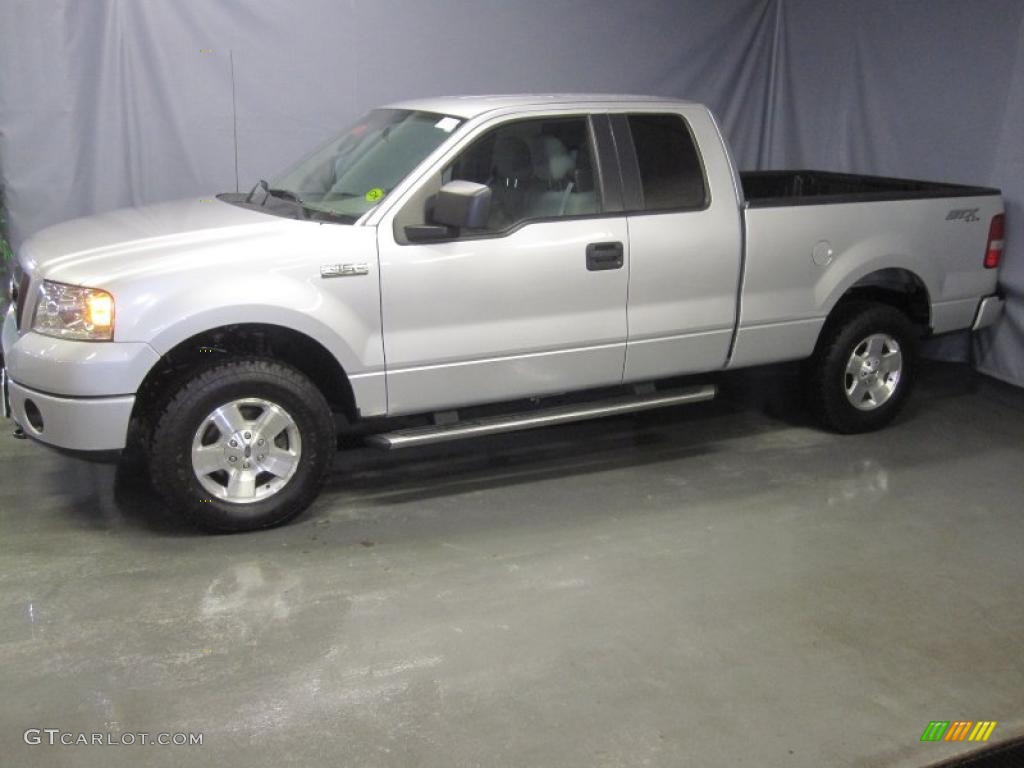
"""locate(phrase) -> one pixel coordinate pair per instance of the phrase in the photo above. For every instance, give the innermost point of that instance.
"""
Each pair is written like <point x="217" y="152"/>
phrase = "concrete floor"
<point x="717" y="586"/>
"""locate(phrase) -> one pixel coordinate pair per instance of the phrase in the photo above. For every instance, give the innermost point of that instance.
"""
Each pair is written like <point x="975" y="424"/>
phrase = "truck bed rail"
<point x="766" y="189"/>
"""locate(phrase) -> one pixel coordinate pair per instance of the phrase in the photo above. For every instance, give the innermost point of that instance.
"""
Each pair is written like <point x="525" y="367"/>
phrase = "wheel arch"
<point x="898" y="287"/>
<point x="300" y="350"/>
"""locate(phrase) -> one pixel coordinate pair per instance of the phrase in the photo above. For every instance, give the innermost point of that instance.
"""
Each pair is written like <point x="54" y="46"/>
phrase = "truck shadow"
<point x="753" y="404"/>
<point x="756" y="404"/>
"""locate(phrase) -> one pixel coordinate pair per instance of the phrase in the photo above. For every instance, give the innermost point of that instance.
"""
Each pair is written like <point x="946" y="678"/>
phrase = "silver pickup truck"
<point x="456" y="267"/>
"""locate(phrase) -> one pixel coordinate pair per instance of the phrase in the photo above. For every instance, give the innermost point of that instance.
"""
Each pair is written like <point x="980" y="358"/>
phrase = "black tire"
<point x="189" y="405"/>
<point x="826" y="371"/>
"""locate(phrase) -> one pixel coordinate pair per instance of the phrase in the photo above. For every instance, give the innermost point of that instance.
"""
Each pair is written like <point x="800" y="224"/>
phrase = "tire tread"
<point x="825" y="399"/>
<point x="170" y="475"/>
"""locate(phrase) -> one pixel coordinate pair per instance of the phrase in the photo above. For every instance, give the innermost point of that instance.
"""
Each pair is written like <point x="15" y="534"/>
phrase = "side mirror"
<point x="462" y="204"/>
<point x="457" y="205"/>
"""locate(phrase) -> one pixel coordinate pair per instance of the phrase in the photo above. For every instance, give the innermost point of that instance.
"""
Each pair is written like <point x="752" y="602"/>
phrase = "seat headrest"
<point x="512" y="158"/>
<point x="551" y="160"/>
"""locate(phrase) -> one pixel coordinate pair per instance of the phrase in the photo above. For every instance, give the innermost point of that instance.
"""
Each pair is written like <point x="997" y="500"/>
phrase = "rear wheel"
<point x="243" y="444"/>
<point x="862" y="369"/>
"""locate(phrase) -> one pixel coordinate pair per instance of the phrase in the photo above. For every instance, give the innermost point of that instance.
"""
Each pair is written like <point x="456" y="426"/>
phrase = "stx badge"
<point x="963" y="214"/>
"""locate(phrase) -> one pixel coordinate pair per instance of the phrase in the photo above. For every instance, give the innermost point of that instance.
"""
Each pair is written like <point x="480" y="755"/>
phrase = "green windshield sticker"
<point x="374" y="195"/>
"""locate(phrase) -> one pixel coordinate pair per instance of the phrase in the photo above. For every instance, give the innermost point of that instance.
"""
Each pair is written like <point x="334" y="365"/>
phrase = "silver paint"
<point x="489" y="319"/>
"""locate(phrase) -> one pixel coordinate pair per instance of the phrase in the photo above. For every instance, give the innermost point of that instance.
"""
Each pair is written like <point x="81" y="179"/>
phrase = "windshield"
<point x="356" y="170"/>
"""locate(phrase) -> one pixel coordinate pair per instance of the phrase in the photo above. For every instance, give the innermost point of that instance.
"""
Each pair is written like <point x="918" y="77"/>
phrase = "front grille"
<point x="19" y="308"/>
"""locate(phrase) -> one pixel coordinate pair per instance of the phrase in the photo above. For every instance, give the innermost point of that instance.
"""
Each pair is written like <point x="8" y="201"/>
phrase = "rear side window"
<point x="671" y="176"/>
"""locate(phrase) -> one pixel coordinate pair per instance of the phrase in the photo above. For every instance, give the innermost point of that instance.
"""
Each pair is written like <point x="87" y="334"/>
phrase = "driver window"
<point x="536" y="169"/>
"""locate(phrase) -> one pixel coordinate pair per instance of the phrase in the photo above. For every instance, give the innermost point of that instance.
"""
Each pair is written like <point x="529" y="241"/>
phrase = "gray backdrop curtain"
<point x="120" y="102"/>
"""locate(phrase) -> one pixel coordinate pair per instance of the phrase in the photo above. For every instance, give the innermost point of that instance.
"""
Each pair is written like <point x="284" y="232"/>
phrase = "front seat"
<point x="568" y="189"/>
<point x="553" y="167"/>
<point x="511" y="181"/>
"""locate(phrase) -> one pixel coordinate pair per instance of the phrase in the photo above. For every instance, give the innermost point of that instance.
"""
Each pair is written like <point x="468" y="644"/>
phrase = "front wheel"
<point x="862" y="369"/>
<point x="243" y="444"/>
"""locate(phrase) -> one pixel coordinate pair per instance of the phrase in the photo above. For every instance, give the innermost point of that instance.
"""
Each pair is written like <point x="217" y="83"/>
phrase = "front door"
<point x="532" y="304"/>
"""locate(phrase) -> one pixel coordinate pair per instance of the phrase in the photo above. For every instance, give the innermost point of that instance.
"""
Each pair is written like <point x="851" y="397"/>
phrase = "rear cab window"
<point x="670" y="168"/>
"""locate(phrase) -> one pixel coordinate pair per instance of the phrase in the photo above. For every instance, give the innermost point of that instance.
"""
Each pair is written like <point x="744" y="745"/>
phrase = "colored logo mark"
<point x="374" y="195"/>
<point x="958" y="730"/>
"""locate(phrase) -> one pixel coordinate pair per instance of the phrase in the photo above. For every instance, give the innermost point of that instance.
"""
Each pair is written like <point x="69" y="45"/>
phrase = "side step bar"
<point x="493" y="425"/>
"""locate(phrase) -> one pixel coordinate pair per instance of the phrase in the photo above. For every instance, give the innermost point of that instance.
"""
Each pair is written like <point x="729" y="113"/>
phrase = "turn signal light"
<point x="994" y="249"/>
<point x="99" y="310"/>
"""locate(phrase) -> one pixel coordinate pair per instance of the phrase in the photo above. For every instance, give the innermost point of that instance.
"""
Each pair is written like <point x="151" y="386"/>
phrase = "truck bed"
<point x="768" y="189"/>
<point x="798" y="261"/>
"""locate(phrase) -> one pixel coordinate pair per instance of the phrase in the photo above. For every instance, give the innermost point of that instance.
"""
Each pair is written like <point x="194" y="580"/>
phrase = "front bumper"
<point x="72" y="423"/>
<point x="74" y="395"/>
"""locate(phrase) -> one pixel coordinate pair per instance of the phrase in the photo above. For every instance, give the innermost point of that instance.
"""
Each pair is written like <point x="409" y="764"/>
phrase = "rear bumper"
<point x="71" y="423"/>
<point x="989" y="310"/>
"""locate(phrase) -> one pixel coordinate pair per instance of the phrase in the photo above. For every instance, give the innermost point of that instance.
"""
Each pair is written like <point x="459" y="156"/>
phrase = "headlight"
<point x="73" y="312"/>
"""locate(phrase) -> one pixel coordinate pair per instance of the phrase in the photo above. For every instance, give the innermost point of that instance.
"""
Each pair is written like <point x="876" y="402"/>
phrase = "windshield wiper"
<point x="285" y="194"/>
<point x="282" y="194"/>
<point x="261" y="184"/>
<point x="318" y="214"/>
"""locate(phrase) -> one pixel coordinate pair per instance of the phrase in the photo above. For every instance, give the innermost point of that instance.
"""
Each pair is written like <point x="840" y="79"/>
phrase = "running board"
<point x="493" y="425"/>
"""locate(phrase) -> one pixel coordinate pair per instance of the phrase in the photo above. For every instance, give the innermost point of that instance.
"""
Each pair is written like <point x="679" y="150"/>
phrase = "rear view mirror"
<point x="457" y="205"/>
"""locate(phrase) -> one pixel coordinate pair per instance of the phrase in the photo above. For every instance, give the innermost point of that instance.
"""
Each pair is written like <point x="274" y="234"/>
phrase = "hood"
<point x="98" y="250"/>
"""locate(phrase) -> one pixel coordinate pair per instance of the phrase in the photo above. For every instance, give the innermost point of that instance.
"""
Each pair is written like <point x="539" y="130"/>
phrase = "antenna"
<point x="234" y="113"/>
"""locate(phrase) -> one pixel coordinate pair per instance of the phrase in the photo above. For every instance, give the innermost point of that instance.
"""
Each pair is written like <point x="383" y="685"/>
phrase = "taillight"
<point x="994" y="249"/>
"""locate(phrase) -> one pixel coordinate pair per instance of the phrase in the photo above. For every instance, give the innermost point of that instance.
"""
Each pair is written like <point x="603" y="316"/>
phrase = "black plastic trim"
<point x="876" y="188"/>
<point x="24" y="283"/>
<point x="314" y="215"/>
<point x="607" y="162"/>
<point x="632" y="189"/>
<point x="525" y="222"/>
